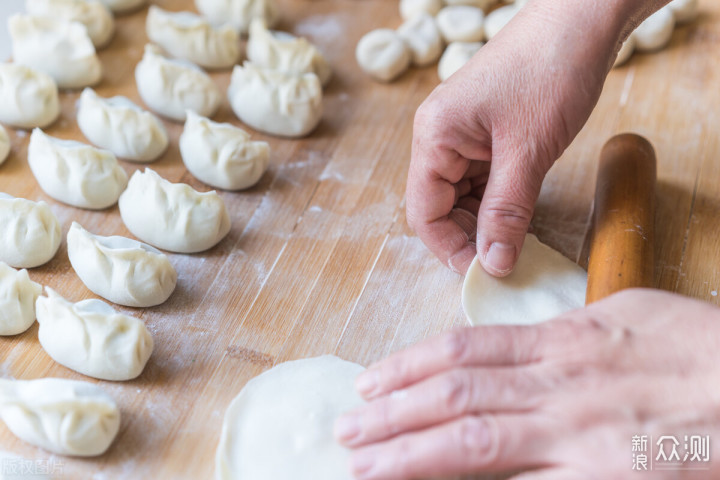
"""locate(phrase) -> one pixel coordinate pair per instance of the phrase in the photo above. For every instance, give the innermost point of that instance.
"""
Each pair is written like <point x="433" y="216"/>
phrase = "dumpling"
<point x="191" y="37"/>
<point x="171" y="87"/>
<point x="383" y="54"/>
<point x="456" y="55"/>
<point x="222" y="155"/>
<point x="122" y="6"/>
<point x="75" y="173"/>
<point x="118" y="125"/>
<point x="483" y="4"/>
<point x="274" y="102"/>
<point x="422" y="37"/>
<point x="173" y="216"/>
<point x="17" y="300"/>
<point x="684" y="10"/>
<point x="29" y="232"/>
<point x="238" y="13"/>
<point x="461" y="23"/>
<point x="59" y="48"/>
<point x="66" y="417"/>
<point x="4" y="145"/>
<point x="412" y="8"/>
<point x="655" y="32"/>
<point x="120" y="269"/>
<point x="285" y="52"/>
<point x="29" y="97"/>
<point x="91" y="338"/>
<point x="96" y="17"/>
<point x="498" y="18"/>
<point x="625" y="52"/>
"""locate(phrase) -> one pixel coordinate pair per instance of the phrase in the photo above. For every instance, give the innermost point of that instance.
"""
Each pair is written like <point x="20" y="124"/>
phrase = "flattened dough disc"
<point x="280" y="425"/>
<point x="543" y="284"/>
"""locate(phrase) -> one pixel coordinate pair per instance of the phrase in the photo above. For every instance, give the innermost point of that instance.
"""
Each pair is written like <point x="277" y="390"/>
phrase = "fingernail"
<point x="361" y="464"/>
<point x="500" y="257"/>
<point x="367" y="382"/>
<point x="347" y="427"/>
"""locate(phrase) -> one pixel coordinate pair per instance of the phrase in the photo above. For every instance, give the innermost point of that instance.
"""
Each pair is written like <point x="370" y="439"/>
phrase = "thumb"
<point x="505" y="212"/>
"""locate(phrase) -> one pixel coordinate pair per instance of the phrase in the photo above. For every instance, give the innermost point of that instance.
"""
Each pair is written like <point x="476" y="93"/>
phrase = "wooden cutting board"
<point x="320" y="259"/>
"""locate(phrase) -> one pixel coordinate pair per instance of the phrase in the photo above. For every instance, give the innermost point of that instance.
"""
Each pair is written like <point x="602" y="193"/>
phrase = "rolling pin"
<point x="621" y="246"/>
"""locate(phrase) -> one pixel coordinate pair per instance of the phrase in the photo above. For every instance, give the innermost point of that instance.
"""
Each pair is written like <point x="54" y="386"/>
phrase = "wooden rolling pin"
<point x="621" y="247"/>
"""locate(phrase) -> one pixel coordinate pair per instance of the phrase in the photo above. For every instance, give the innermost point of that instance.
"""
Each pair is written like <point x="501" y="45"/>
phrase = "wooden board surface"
<point x="320" y="259"/>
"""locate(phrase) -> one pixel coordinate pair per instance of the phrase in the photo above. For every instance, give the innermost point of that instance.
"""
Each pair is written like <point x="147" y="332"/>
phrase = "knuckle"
<point x="395" y="373"/>
<point x="511" y="213"/>
<point x="456" y="346"/>
<point x="456" y="392"/>
<point x="476" y="440"/>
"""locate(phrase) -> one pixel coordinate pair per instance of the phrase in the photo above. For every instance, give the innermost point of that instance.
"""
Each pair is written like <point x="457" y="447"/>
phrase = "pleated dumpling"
<point x="173" y="216"/>
<point x="96" y="17"/>
<point x="29" y="232"/>
<point x="57" y="47"/>
<point x="122" y="6"/>
<point x="119" y="125"/>
<point x="274" y="102"/>
<point x="285" y="52"/>
<point x="171" y="87"/>
<point x="66" y="417"/>
<point x="238" y="13"/>
<point x="75" y="173"/>
<point x="122" y="270"/>
<point x="191" y="37"/>
<point x="222" y="155"/>
<point x="17" y="300"/>
<point x="29" y="97"/>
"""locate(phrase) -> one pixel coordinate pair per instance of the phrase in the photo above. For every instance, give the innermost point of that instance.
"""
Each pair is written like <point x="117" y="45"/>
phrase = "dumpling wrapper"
<point x="543" y="285"/>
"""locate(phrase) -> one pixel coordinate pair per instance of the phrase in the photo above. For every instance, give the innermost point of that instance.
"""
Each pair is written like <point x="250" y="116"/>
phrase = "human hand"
<point x="561" y="399"/>
<point x="484" y="139"/>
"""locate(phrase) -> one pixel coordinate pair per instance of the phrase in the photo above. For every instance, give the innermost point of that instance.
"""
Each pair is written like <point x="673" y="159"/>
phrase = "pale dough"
<point x="383" y="54"/>
<point x="122" y="270"/>
<point x="461" y="23"/>
<point x="66" y="417"/>
<point x="655" y="32"/>
<point x="4" y="145"/>
<point x="17" y="300"/>
<point x="96" y="17"/>
<point x="498" y="18"/>
<point x="543" y="285"/>
<point x="411" y="8"/>
<point x="684" y="10"/>
<point x="239" y="13"/>
<point x="29" y="232"/>
<point x="29" y="97"/>
<point x="423" y="39"/>
<point x="455" y="56"/>
<point x="122" y="6"/>
<point x="280" y="426"/>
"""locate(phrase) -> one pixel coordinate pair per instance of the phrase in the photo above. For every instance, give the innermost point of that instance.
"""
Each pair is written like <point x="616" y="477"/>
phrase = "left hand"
<point x="560" y="400"/>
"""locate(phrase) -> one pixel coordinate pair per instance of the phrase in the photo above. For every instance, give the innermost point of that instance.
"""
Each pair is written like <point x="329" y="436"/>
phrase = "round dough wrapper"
<point x="461" y="23"/>
<point x="422" y="37"/>
<point x="543" y="285"/>
<point x="411" y="8"/>
<point x="288" y="413"/>
<point x="382" y="54"/>
<point x="655" y="32"/>
<point x="456" y="55"/>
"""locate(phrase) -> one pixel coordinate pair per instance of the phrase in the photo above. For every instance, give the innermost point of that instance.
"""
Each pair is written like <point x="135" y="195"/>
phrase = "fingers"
<point x="475" y="346"/>
<point x="468" y="445"/>
<point x="440" y="399"/>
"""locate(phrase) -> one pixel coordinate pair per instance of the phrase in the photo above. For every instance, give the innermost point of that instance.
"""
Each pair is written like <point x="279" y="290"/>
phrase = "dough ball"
<point x="498" y="18"/>
<point x="543" y="285"/>
<point x="119" y="269"/>
<point x="626" y="51"/>
<point x="96" y="17"/>
<point x="75" y="173"/>
<point x="288" y="413"/>
<point x="17" y="300"/>
<point x="4" y="145"/>
<point x="383" y="54"/>
<point x="66" y="417"/>
<point x="684" y="10"/>
<point x="29" y="97"/>
<point x="655" y="32"/>
<point x="410" y="8"/>
<point x="123" y="6"/>
<point x="456" y="55"/>
<point x="40" y="232"/>
<point x="422" y="36"/>
<point x="461" y="23"/>
<point x="239" y="13"/>
<point x="222" y="155"/>
<point x="483" y="4"/>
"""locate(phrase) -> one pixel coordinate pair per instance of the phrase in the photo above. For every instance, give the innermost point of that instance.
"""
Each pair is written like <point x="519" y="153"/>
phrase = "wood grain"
<point x="319" y="258"/>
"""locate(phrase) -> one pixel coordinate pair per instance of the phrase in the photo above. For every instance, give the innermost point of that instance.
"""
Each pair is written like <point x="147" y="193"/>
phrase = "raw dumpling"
<point x="191" y="37"/>
<point x="498" y="18"/>
<point x="121" y="6"/>
<point x="655" y="32"/>
<point x="59" y="48"/>
<point x="543" y="285"/>
<point x="288" y="413"/>
<point x="222" y="155"/>
<point x="29" y="232"/>
<point x="4" y="145"/>
<point x="626" y="51"/>
<point x="456" y="55"/>
<point x="17" y="300"/>
<point x="118" y="125"/>
<point x="122" y="270"/>
<point x="238" y="13"/>
<point x="274" y="102"/>
<point x="96" y="17"/>
<point x="684" y="10"/>
<point x="412" y="8"/>
<point x="91" y="338"/>
<point x="29" y="97"/>
<point x="423" y="39"/>
<point x="461" y="23"/>
<point x="383" y="54"/>
<point x="75" y="173"/>
<point x="173" y="216"/>
<point x="66" y="417"/>
<point x="285" y="52"/>
<point x="171" y="87"/>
